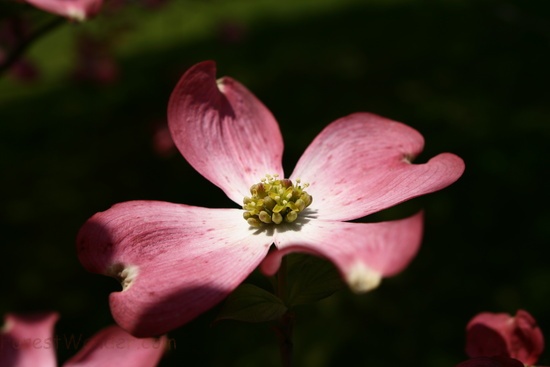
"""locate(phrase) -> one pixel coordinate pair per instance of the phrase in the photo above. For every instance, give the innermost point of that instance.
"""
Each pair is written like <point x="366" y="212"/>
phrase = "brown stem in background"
<point x="285" y="324"/>
<point x="22" y="46"/>
<point x="284" y="334"/>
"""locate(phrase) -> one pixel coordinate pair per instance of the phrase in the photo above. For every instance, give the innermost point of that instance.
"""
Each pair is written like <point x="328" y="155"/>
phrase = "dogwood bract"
<point x="176" y="261"/>
<point x="29" y="341"/>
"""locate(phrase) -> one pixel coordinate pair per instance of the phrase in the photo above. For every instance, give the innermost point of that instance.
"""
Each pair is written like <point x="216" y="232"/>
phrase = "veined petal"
<point x="361" y="164"/>
<point x="26" y="340"/>
<point x="114" y="347"/>
<point x="224" y="131"/>
<point x="174" y="261"/>
<point x="73" y="9"/>
<point x="363" y="252"/>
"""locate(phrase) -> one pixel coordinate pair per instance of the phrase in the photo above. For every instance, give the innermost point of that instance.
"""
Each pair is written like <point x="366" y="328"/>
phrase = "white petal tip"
<point x="361" y="279"/>
<point x="220" y="84"/>
<point x="125" y="274"/>
<point x="8" y="325"/>
<point x="76" y="14"/>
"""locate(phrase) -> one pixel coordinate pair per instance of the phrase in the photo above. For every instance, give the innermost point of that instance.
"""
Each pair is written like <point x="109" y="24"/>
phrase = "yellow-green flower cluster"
<point x="275" y="201"/>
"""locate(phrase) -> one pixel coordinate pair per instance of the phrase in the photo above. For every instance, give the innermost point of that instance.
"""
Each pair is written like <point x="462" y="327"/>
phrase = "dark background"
<point x="471" y="76"/>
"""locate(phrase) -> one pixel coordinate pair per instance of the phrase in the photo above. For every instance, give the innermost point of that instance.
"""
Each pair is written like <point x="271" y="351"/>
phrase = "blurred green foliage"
<point x="472" y="76"/>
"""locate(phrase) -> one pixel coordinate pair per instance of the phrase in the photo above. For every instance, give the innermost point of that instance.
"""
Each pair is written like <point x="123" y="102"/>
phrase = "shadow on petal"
<point x="10" y="350"/>
<point x="174" y="261"/>
<point x="148" y="314"/>
<point x="483" y="341"/>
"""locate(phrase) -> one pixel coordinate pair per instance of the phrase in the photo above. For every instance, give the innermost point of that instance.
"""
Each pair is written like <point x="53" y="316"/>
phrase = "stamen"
<point x="275" y="201"/>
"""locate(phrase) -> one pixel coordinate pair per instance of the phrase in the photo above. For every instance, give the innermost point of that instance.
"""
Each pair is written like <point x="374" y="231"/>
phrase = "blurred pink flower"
<point x="28" y="341"/>
<point x="154" y="4"/>
<point x="176" y="261"/>
<point x="232" y="31"/>
<point x="163" y="145"/>
<point x="491" y="362"/>
<point x="94" y="61"/>
<point x="499" y="334"/>
<point x="24" y="70"/>
<point x="117" y="5"/>
<point x="13" y="32"/>
<point x="79" y="10"/>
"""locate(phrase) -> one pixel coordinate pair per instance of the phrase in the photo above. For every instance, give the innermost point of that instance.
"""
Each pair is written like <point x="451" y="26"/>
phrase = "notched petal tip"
<point x="362" y="279"/>
<point x="6" y="326"/>
<point x="220" y="83"/>
<point x="201" y="74"/>
<point x="76" y="14"/>
<point x="125" y="274"/>
<point x="408" y="158"/>
<point x="240" y="139"/>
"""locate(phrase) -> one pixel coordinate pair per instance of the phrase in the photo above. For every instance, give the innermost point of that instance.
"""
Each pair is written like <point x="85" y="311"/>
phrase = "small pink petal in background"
<point x="73" y="9"/>
<point x="26" y="340"/>
<point x="162" y="142"/>
<point x="114" y="347"/>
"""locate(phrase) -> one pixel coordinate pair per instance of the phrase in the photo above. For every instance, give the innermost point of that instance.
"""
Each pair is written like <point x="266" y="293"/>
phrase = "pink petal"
<point x="363" y="252"/>
<point x="174" y="261"/>
<point x="114" y="347"/>
<point x="224" y="131"/>
<point x="499" y="334"/>
<point x="360" y="164"/>
<point x="74" y="9"/>
<point x="26" y="340"/>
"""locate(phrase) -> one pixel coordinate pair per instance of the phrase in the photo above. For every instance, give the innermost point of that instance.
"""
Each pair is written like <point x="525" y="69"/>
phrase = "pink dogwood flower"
<point x="499" y="334"/>
<point x="176" y="261"/>
<point x="78" y="10"/>
<point x="28" y="341"/>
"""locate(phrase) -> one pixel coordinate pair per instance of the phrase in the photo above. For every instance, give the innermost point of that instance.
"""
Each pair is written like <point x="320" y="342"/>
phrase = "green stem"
<point x="284" y="326"/>
<point x="280" y="289"/>
<point x="18" y="50"/>
<point x="284" y="333"/>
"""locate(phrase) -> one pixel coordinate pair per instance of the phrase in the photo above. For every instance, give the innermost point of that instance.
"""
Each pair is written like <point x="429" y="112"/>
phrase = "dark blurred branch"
<point x="15" y="53"/>
<point x="284" y="336"/>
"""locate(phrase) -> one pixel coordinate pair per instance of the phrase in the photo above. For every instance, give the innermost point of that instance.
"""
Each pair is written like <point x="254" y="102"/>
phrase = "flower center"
<point x="275" y="201"/>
